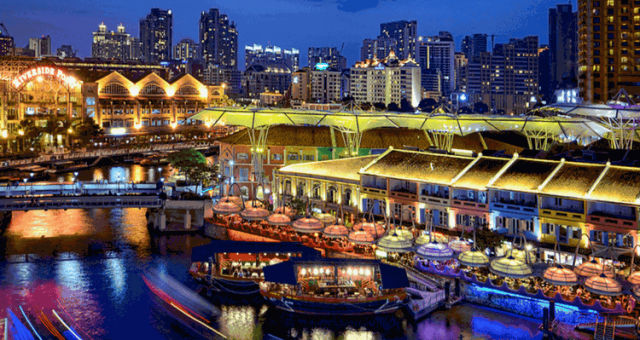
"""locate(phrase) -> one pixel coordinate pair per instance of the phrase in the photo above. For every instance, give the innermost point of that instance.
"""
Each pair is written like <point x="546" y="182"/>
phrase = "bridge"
<point x="79" y="195"/>
<point x="107" y="153"/>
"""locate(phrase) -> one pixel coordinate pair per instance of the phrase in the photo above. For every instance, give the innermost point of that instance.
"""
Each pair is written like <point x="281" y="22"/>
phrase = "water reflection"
<point x="123" y="173"/>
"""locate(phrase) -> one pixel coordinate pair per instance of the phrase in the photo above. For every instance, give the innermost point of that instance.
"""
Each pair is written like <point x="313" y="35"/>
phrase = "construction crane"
<point x="493" y="36"/>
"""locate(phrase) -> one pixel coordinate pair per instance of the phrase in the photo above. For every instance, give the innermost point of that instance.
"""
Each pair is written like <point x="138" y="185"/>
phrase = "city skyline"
<point x="355" y="21"/>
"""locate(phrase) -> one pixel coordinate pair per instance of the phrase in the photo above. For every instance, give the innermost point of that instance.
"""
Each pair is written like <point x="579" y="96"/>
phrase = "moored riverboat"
<point x="335" y="286"/>
<point x="235" y="267"/>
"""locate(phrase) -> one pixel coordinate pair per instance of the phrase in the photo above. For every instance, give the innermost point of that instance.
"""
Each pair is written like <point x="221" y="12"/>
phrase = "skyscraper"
<point x="479" y="44"/>
<point x="377" y="48"/>
<point x="6" y="43"/>
<point x="66" y="51"/>
<point x="563" y="44"/>
<point x="506" y="80"/>
<point x="41" y="46"/>
<point x="186" y="49"/>
<point x="112" y="45"/>
<point x="544" y="76"/>
<point x="156" y="33"/>
<point x="329" y="55"/>
<point x="256" y="55"/>
<point x="467" y="46"/>
<point x="218" y="40"/>
<point x="405" y="33"/>
<point x="437" y="53"/>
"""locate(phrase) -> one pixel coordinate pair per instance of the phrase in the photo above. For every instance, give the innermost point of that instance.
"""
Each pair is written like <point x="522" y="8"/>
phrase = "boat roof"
<point x="202" y="253"/>
<point x="392" y="277"/>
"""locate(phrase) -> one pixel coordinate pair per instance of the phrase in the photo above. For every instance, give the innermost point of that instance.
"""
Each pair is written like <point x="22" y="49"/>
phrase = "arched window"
<point x="300" y="188"/>
<point x="115" y="89"/>
<point x="188" y="90"/>
<point x="152" y="89"/>
<point x="287" y="187"/>
<point x="346" y="198"/>
<point x="317" y="190"/>
<point x="331" y="194"/>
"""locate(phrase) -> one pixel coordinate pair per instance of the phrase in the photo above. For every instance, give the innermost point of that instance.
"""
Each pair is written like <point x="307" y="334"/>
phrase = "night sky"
<point x="284" y="23"/>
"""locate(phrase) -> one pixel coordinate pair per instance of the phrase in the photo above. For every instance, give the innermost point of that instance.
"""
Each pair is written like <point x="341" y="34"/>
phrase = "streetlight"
<point x="460" y="96"/>
<point x="25" y="182"/>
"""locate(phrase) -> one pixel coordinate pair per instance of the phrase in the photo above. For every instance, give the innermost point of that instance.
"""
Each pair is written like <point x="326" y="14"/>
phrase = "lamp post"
<point x="31" y="175"/>
<point x="25" y="182"/>
<point x="459" y="96"/>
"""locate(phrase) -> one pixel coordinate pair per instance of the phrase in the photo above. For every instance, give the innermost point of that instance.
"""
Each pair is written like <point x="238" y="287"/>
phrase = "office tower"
<point x="479" y="43"/>
<point x="544" y="73"/>
<point x="6" y="43"/>
<point x="405" y="34"/>
<point x="218" y="39"/>
<point x="118" y="45"/>
<point x="507" y="80"/>
<point x="466" y="46"/>
<point x="460" y="62"/>
<point x="563" y="44"/>
<point x="328" y="55"/>
<point x="387" y="80"/>
<point x="267" y="78"/>
<point x="437" y="53"/>
<point x="156" y="33"/>
<point x="377" y="48"/>
<point x="316" y="85"/>
<point x="66" y="51"/>
<point x="186" y="49"/>
<point x="608" y="33"/>
<point x="257" y="55"/>
<point x="40" y="46"/>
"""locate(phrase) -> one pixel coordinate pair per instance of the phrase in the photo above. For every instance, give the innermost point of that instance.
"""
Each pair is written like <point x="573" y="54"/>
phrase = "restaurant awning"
<point x="203" y="253"/>
<point x="393" y="277"/>
<point x="283" y="272"/>
<point x="473" y="258"/>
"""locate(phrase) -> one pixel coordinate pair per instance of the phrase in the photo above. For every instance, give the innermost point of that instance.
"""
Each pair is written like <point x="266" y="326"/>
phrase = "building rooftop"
<point x="619" y="184"/>
<point x="422" y="166"/>
<point x="525" y="175"/>
<point x="479" y="175"/>
<point x="346" y="169"/>
<point x="573" y="179"/>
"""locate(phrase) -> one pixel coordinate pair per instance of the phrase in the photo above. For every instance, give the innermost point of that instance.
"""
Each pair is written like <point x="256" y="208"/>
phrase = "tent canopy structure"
<point x="353" y="123"/>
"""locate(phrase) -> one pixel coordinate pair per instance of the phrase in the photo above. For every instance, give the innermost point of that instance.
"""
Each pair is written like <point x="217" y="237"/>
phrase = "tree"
<point x="486" y="238"/>
<point x="366" y="106"/>
<point x="87" y="129"/>
<point x="348" y="100"/>
<point x="31" y="132"/>
<point x="380" y="106"/>
<point x="298" y="205"/>
<point x="465" y="110"/>
<point x="427" y="104"/>
<point x="51" y="128"/>
<point x="187" y="160"/>
<point x="393" y="107"/>
<point x="405" y="106"/>
<point x="204" y="173"/>
<point x="480" y="107"/>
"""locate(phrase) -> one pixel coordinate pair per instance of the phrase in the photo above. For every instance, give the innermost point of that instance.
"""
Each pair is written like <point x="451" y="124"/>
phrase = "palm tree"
<point x="31" y="132"/>
<point x="52" y="128"/>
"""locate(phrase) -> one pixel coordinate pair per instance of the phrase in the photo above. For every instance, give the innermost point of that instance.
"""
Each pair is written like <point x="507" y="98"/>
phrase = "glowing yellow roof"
<point x="346" y="168"/>
<point x="573" y="179"/>
<point x="481" y="173"/>
<point x="619" y="184"/>
<point x="525" y="175"/>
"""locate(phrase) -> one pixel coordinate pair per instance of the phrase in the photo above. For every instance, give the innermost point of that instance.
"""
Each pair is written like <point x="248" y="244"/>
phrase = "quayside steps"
<point x="605" y="329"/>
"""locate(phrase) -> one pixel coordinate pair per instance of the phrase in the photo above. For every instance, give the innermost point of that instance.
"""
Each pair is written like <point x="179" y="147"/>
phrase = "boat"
<point x="15" y="329"/>
<point x="182" y="303"/>
<point x="235" y="267"/>
<point x="159" y="159"/>
<point x="66" y="166"/>
<point x="332" y="286"/>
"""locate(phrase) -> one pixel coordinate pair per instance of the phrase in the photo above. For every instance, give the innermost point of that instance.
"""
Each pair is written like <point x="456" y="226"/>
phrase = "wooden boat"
<point x="66" y="166"/>
<point x="15" y="329"/>
<point x="324" y="286"/>
<point x="235" y="267"/>
<point x="160" y="159"/>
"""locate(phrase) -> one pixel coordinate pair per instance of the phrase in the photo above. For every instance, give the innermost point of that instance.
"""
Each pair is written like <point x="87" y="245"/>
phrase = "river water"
<point x="107" y="298"/>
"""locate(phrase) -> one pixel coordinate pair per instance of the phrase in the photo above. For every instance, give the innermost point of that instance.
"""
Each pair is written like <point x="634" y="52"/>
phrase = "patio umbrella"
<point x="336" y="231"/>
<point x="473" y="258"/>
<point x="560" y="276"/>
<point x="593" y="268"/>
<point x="307" y="225"/>
<point x="603" y="285"/>
<point x="254" y="214"/>
<point x="435" y="251"/>
<point x="394" y="242"/>
<point x="460" y="246"/>
<point x="284" y="210"/>
<point x="634" y="278"/>
<point x="278" y="219"/>
<point x="510" y="267"/>
<point x="326" y="218"/>
<point x="226" y="208"/>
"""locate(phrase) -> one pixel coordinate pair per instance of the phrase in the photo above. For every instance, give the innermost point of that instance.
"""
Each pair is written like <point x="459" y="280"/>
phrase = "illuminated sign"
<point x="118" y="131"/>
<point x="322" y="66"/>
<point x="295" y="79"/>
<point x="54" y="72"/>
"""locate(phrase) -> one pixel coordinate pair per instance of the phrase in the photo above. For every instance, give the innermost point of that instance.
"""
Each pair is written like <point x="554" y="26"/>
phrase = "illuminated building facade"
<point x="559" y="202"/>
<point x="460" y="62"/>
<point x="218" y="40"/>
<point x="318" y="85"/>
<point x="118" y="45"/>
<point x="256" y="55"/>
<point x="232" y="78"/>
<point x="186" y="49"/>
<point x="133" y="103"/>
<point x="405" y="33"/>
<point x="507" y="79"/>
<point x="608" y="49"/>
<point x="40" y="46"/>
<point x="379" y="47"/>
<point x="388" y="80"/>
<point x="156" y="34"/>
<point x="563" y="44"/>
<point x="327" y="55"/>
<point x="6" y="43"/>
<point x="437" y="54"/>
<point x="268" y="78"/>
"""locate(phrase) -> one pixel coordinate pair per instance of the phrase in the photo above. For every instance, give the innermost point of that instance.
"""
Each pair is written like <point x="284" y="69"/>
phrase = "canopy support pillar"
<point x="538" y="140"/>
<point x="258" y="139"/>
<point x="621" y="132"/>
<point x="443" y="140"/>
<point x="352" y="140"/>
